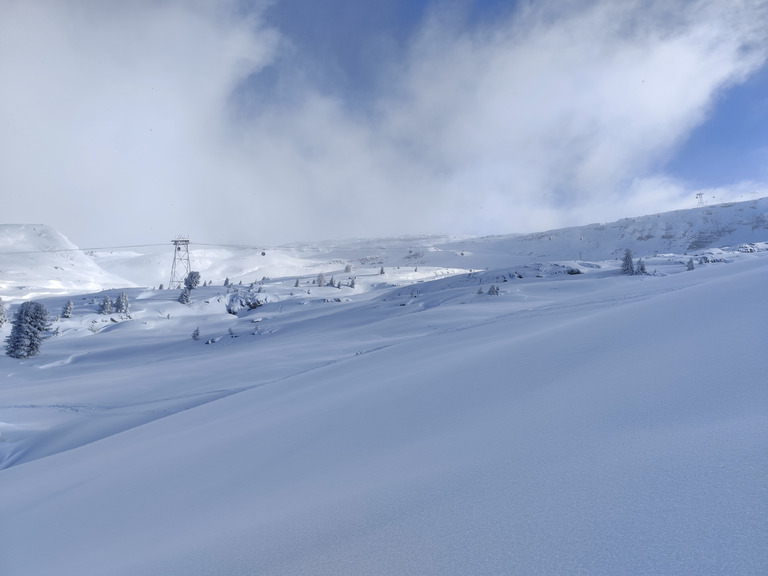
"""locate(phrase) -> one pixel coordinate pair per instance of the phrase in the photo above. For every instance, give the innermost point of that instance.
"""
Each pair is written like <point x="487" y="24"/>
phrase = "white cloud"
<point x="125" y="112"/>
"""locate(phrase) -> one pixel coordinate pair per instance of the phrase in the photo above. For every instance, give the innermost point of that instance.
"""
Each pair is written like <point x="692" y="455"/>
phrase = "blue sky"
<point x="269" y="122"/>
<point x="732" y="142"/>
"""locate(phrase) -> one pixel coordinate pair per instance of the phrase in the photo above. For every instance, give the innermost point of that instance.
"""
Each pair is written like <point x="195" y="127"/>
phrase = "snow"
<point x="580" y="424"/>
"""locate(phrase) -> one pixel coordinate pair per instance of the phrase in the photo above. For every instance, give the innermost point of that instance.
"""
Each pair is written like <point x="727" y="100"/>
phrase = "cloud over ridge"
<point x="547" y="116"/>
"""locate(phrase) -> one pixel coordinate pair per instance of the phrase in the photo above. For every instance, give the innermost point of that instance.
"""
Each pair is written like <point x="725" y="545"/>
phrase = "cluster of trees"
<point x="629" y="268"/>
<point x="31" y="323"/>
<point x="191" y="282"/>
<point x="107" y="306"/>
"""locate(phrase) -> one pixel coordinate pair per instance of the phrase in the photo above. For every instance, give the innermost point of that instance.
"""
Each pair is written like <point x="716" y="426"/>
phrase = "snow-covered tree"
<point x="640" y="268"/>
<point x="121" y="304"/>
<point x="184" y="296"/>
<point x="226" y="282"/>
<point x="28" y="332"/>
<point x="3" y="317"/>
<point x="690" y="264"/>
<point x="66" y="312"/>
<point x="627" y="266"/>
<point x="382" y="270"/>
<point x="348" y="268"/>
<point x="106" y="305"/>
<point x="196" y="334"/>
<point x="352" y="283"/>
<point x="192" y="280"/>
<point x="296" y="285"/>
<point x="321" y="279"/>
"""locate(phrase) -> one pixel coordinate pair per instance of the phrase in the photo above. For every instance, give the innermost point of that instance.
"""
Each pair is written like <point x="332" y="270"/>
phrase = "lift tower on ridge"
<point x="181" y="267"/>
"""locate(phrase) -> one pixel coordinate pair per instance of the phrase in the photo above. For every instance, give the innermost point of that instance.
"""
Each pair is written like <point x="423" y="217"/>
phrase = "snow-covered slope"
<point x="585" y="423"/>
<point x="36" y="260"/>
<point x="680" y="232"/>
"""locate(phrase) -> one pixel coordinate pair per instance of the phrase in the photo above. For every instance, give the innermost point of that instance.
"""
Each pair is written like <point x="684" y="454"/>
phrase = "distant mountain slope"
<point x="681" y="231"/>
<point x="36" y="259"/>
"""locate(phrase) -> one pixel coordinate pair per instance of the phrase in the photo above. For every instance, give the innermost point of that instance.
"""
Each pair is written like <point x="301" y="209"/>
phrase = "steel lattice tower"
<point x="181" y="266"/>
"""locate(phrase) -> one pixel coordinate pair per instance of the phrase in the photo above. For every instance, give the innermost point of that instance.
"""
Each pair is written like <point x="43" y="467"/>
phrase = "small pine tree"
<point x="352" y="283"/>
<point x="184" y="296"/>
<point x="640" y="268"/>
<point x="3" y="317"/>
<point x="28" y="332"/>
<point x="627" y="267"/>
<point x="121" y="305"/>
<point x="66" y="312"/>
<point x="321" y="279"/>
<point x="690" y="266"/>
<point x="348" y="268"/>
<point x="192" y="280"/>
<point x="106" y="305"/>
<point x="226" y="282"/>
<point x="196" y="334"/>
<point x="296" y="285"/>
<point x="381" y="271"/>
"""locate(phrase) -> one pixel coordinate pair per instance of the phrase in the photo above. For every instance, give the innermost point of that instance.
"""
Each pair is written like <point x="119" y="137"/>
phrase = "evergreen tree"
<point x="184" y="296"/>
<point x="28" y="332"/>
<point x="106" y="305"/>
<point x="627" y="267"/>
<point x="226" y="282"/>
<point x="352" y="283"/>
<point x="640" y="268"/>
<point x="3" y="317"/>
<point x="382" y="270"/>
<point x="66" y="312"/>
<point x="690" y="264"/>
<point x="192" y="280"/>
<point x="321" y="279"/>
<point x="121" y="305"/>
<point x="196" y="334"/>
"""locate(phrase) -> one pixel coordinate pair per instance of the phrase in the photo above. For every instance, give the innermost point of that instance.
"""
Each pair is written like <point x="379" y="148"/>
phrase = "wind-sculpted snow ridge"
<point x="36" y="260"/>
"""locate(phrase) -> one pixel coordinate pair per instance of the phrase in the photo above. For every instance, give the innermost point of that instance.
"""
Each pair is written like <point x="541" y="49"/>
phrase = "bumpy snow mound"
<point x="36" y="259"/>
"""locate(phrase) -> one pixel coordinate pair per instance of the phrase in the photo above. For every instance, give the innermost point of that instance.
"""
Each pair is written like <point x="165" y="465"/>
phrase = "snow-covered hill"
<point x="36" y="260"/>
<point x="586" y="423"/>
<point x="677" y="232"/>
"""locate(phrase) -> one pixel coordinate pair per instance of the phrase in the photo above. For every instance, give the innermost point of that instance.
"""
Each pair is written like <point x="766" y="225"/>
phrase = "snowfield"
<point x="575" y="423"/>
